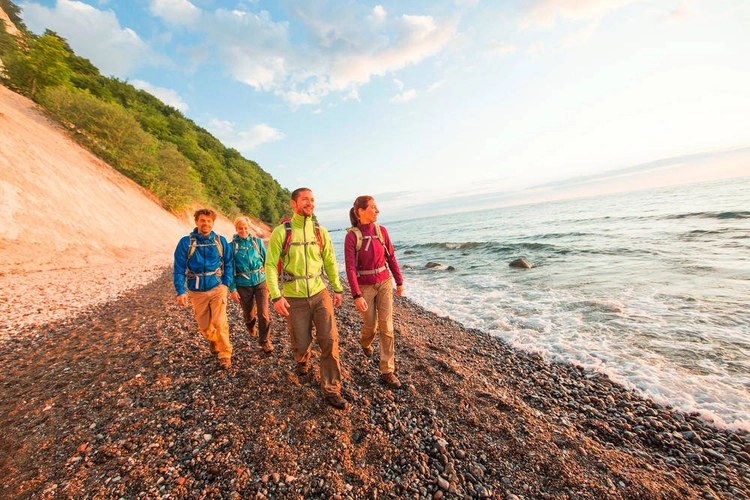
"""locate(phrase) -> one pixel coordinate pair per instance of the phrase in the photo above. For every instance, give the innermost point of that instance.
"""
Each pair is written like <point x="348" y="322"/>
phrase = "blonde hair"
<point x="242" y="218"/>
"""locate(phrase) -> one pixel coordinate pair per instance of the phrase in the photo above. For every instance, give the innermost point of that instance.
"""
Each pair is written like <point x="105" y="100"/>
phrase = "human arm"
<point x="390" y="258"/>
<point x="180" y="267"/>
<point x="275" y="244"/>
<point x="227" y="277"/>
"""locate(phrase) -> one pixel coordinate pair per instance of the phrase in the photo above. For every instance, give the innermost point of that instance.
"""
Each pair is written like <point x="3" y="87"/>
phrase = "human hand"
<point x="282" y="306"/>
<point x="235" y="295"/>
<point x="182" y="300"/>
<point x="361" y="303"/>
<point x="337" y="299"/>
<point x="399" y="290"/>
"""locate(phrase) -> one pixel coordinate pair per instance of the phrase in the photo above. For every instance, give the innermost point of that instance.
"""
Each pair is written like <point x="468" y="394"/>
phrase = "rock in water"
<point x="522" y="263"/>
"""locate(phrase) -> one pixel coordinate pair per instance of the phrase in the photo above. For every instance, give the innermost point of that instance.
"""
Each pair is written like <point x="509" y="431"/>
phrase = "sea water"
<point x="650" y="287"/>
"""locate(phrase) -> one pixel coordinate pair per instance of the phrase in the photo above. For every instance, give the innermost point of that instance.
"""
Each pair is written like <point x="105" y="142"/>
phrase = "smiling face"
<point x="304" y="204"/>
<point x="205" y="224"/>
<point x="243" y="230"/>
<point x="370" y="214"/>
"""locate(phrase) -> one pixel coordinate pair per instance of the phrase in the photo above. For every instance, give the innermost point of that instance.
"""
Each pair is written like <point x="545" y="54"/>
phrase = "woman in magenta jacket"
<point x="369" y="256"/>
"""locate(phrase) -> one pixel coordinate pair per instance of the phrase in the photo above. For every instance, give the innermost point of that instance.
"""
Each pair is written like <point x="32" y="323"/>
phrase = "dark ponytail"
<point x="359" y="204"/>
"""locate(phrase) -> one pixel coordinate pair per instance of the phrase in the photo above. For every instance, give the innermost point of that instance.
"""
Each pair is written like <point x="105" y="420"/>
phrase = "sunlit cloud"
<point x="682" y="12"/>
<point x="244" y="140"/>
<point x="344" y="53"/>
<point x="581" y="36"/>
<point x="96" y="34"/>
<point x="543" y="14"/>
<point x="500" y="49"/>
<point x="404" y="97"/>
<point x="436" y="85"/>
<point x="177" y="12"/>
<point x="167" y="96"/>
<point x="379" y="13"/>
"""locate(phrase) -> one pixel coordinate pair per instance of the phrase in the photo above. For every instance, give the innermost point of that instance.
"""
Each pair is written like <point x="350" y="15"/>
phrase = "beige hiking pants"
<point x="210" y="309"/>
<point x="379" y="298"/>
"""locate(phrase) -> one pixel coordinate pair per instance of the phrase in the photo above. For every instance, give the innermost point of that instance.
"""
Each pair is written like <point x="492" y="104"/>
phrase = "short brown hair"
<point x="204" y="211"/>
<point x="298" y="191"/>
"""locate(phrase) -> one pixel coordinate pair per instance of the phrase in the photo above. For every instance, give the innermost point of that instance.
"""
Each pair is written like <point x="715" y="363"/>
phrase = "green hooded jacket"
<point x="304" y="259"/>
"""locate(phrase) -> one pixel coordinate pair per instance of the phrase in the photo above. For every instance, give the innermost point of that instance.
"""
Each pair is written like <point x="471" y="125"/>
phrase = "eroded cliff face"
<point x="61" y="207"/>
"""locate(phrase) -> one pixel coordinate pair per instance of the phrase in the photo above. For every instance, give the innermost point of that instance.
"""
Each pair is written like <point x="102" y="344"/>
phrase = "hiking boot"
<point x="212" y="347"/>
<point x="225" y="363"/>
<point x="390" y="380"/>
<point x="337" y="401"/>
<point x="368" y="351"/>
<point x="267" y="348"/>
<point x="253" y="333"/>
<point x="302" y="368"/>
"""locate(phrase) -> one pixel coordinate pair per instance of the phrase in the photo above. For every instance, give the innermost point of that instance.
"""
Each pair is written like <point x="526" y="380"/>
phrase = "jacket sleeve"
<point x="273" y="253"/>
<point x="329" y="262"/>
<point x="350" y="259"/>
<point x="180" y="261"/>
<point x="391" y="258"/>
<point x="228" y="277"/>
<point x="262" y="248"/>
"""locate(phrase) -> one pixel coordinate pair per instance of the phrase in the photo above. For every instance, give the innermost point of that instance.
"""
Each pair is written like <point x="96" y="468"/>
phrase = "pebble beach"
<point x="116" y="396"/>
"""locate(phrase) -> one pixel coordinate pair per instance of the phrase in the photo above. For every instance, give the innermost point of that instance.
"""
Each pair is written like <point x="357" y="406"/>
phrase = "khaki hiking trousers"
<point x="210" y="309"/>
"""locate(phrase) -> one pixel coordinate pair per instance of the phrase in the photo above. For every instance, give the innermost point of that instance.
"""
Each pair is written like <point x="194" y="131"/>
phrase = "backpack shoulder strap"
<point x="358" y="235"/>
<point x="319" y="236"/>
<point x="287" y="223"/>
<point x="379" y="233"/>
<point x="191" y="248"/>
<point x="219" y="248"/>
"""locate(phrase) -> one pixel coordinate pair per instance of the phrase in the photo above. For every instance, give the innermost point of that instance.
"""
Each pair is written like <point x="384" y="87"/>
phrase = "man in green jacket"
<point x="303" y="297"/>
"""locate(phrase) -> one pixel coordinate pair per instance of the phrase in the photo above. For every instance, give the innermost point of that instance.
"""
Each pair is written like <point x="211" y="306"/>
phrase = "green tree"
<point x="43" y="65"/>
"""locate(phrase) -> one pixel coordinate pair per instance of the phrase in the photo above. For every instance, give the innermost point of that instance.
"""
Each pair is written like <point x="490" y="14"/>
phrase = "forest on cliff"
<point x="150" y="142"/>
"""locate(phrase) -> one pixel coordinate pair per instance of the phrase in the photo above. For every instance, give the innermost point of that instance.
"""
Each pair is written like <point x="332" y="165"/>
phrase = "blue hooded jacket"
<point x="249" y="261"/>
<point x="200" y="272"/>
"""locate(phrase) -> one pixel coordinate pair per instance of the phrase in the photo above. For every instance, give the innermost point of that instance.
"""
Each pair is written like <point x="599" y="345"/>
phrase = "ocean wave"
<point x="486" y="246"/>
<point x="712" y="215"/>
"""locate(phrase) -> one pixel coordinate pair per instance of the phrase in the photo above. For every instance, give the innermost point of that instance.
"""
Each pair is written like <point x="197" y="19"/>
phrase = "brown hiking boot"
<point x="212" y="347"/>
<point x="302" y="368"/>
<point x="267" y="348"/>
<point x="225" y="363"/>
<point x="390" y="380"/>
<point x="337" y="401"/>
<point x="368" y="351"/>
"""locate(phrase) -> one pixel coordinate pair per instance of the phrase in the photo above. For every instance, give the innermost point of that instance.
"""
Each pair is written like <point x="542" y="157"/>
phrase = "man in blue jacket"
<point x="203" y="260"/>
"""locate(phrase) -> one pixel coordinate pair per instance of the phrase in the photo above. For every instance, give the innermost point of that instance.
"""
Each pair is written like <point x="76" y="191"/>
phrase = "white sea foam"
<point x="655" y="299"/>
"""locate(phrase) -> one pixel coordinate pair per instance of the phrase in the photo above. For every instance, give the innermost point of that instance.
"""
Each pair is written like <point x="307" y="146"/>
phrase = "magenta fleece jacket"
<point x="370" y="258"/>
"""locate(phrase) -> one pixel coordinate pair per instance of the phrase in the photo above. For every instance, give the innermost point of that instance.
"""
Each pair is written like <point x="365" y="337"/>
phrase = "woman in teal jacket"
<point x="249" y="285"/>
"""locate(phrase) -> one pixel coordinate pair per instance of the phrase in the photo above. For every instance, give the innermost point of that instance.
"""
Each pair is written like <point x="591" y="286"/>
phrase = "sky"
<point x="440" y="106"/>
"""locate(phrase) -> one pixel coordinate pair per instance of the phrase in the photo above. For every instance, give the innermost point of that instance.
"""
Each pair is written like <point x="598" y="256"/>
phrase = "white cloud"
<point x="435" y="85"/>
<point x="379" y="13"/>
<point x="682" y="12"/>
<point x="253" y="47"/>
<point x="342" y="53"/>
<point x="167" y="96"/>
<point x="97" y="35"/>
<point x="398" y="83"/>
<point x="542" y="14"/>
<point x="405" y="96"/>
<point x="177" y="12"/>
<point x="244" y="140"/>
<point x="580" y="36"/>
<point x="500" y="49"/>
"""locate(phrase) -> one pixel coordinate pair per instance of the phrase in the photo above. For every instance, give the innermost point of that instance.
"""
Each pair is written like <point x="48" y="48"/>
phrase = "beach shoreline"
<point x="119" y="398"/>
